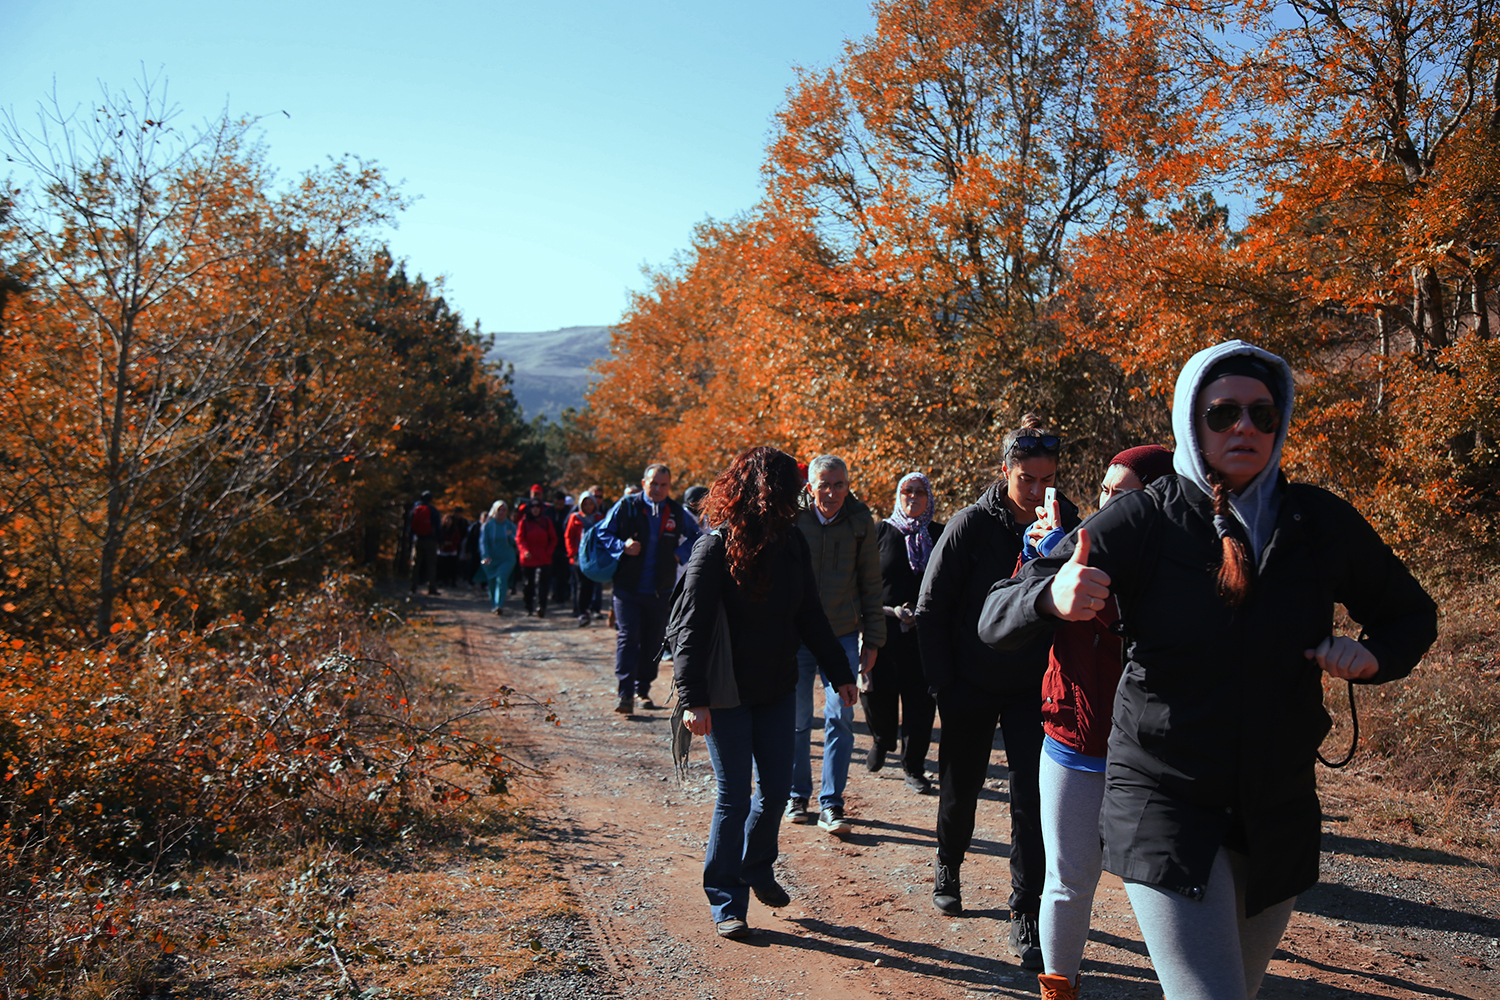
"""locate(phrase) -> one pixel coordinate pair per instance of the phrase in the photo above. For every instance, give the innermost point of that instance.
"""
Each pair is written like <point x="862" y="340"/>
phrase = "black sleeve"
<point x="1117" y="540"/>
<point x="941" y="598"/>
<point x="812" y="622"/>
<point x="702" y="590"/>
<point x="1398" y="617"/>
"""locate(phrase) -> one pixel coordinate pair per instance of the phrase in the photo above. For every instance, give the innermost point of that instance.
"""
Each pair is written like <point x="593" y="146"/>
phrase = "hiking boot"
<point x="875" y="760"/>
<point x="946" y="895"/>
<point x="832" y="819"/>
<point x="796" y="810"/>
<point x="918" y="783"/>
<point x="734" y="928"/>
<point x="1025" y="942"/>
<point x="771" y="894"/>
<point x="1057" y="987"/>
<point x="583" y="621"/>
<point x="626" y="705"/>
<point x="646" y="702"/>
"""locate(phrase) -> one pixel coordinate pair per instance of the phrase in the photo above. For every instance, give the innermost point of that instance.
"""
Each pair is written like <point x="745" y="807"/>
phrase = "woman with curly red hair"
<point x="758" y="566"/>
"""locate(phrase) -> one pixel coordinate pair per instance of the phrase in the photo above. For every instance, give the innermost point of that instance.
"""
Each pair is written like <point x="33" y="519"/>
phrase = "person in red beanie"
<point x="1078" y="697"/>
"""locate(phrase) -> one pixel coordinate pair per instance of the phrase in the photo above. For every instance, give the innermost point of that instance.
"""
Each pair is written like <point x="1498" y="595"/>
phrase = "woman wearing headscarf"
<point x="759" y="568"/>
<point x="1226" y="576"/>
<point x="898" y="707"/>
<point x="497" y="553"/>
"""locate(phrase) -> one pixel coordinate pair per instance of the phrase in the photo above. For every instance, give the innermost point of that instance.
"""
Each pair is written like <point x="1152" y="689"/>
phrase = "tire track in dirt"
<point x="630" y="840"/>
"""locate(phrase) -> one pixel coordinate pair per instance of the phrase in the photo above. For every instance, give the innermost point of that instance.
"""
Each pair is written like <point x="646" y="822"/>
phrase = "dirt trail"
<point x="1389" y="921"/>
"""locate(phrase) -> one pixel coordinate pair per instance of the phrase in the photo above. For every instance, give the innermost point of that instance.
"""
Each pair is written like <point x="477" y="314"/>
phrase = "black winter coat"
<point x="979" y="546"/>
<point x="899" y="583"/>
<point x="765" y="629"/>
<point x="1219" y="715"/>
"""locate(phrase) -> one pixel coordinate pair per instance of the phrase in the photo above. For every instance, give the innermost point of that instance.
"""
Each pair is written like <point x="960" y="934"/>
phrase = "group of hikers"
<point x="532" y="545"/>
<point x="1155" y="669"/>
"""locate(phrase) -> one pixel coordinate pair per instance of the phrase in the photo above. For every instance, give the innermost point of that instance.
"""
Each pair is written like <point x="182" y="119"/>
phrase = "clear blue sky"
<point x="555" y="150"/>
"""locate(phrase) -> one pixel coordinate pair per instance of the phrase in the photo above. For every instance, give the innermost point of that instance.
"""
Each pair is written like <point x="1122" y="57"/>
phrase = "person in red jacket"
<point x="582" y="519"/>
<point x="536" y="537"/>
<point x="1078" y="699"/>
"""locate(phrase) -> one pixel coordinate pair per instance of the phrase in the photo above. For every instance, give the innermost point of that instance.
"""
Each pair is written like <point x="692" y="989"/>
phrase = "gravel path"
<point x="1389" y="920"/>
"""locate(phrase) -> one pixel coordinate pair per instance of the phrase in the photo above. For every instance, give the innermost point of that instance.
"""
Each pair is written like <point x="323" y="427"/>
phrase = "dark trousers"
<point x="897" y="707"/>
<point x="642" y="623"/>
<point x="584" y="589"/>
<point x="562" y="581"/>
<point x="424" y="564"/>
<point x="970" y="717"/>
<point x="535" y="579"/>
<point x="745" y="743"/>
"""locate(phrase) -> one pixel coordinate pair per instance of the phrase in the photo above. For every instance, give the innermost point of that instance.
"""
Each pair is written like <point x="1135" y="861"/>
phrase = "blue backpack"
<point x="594" y="560"/>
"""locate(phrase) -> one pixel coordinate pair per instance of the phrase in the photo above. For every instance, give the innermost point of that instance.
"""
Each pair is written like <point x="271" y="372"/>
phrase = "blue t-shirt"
<point x="1071" y="759"/>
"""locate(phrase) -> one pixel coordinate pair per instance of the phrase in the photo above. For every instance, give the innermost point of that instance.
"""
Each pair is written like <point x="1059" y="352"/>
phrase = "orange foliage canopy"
<point x="986" y="208"/>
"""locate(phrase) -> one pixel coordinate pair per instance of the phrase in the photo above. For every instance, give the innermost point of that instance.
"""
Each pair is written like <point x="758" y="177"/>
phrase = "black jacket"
<point x="979" y="546"/>
<point x="900" y="585"/>
<point x="765" y="630"/>
<point x="1219" y="716"/>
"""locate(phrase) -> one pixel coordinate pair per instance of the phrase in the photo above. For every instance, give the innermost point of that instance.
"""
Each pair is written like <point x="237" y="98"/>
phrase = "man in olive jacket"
<point x="840" y="531"/>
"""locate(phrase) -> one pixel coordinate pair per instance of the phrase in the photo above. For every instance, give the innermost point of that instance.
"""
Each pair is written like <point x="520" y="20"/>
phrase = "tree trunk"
<point x="1431" y="318"/>
<point x="1481" y="302"/>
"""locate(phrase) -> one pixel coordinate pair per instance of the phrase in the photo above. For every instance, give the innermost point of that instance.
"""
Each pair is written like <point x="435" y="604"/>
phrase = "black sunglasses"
<point x="1221" y="417"/>
<point x="1032" y="444"/>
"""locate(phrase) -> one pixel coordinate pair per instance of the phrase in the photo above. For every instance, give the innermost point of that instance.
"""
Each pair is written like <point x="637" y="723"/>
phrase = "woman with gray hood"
<point x="1226" y="576"/>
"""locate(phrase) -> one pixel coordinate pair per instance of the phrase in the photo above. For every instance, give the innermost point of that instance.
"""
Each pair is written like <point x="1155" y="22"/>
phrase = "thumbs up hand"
<point x="1079" y="590"/>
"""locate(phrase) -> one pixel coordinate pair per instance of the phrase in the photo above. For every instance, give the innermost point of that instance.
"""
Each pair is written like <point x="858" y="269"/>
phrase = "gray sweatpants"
<point x="1075" y="857"/>
<point x="1208" y="950"/>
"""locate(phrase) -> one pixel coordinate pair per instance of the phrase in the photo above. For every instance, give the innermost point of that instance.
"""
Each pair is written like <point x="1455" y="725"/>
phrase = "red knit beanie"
<point x="1148" y="461"/>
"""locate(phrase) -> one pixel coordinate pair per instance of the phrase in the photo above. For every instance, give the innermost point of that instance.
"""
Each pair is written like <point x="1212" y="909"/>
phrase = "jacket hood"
<point x="1256" y="505"/>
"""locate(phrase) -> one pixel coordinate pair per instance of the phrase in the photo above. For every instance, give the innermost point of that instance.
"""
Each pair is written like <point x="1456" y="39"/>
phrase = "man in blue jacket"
<point x="650" y="534"/>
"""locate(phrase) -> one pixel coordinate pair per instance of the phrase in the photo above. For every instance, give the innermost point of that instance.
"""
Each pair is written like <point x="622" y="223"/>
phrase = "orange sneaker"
<point x="1057" y="988"/>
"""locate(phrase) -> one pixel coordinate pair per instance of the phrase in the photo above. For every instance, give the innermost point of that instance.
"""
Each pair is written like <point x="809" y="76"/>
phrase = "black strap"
<point x="1353" y="742"/>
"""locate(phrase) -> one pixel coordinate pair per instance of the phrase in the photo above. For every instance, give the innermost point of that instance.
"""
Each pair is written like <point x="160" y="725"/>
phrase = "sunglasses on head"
<point x="1035" y="444"/>
<point x="1221" y="417"/>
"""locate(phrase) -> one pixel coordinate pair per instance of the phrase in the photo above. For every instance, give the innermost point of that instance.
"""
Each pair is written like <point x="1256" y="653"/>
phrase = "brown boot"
<point x="1057" y="988"/>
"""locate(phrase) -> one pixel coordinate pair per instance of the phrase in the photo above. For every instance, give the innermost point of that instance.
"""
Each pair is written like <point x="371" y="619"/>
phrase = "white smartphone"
<point x="1051" y="497"/>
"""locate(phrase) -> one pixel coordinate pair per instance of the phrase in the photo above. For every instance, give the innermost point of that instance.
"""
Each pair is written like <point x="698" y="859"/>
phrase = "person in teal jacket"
<point x="498" y="555"/>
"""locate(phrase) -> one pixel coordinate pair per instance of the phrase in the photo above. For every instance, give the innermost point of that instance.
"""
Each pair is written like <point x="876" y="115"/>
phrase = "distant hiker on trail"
<point x="979" y="689"/>
<point x="536" y="538"/>
<point x="1227" y="576"/>
<point x="454" y="526"/>
<point x="758" y="568"/>
<point x="840" y="533"/>
<point x="585" y="517"/>
<point x="602" y="505"/>
<point x="898" y="708"/>
<point x="562" y="577"/>
<point x="469" y="559"/>
<point x="423" y="524"/>
<point x="650" y="533"/>
<point x="1078" y="699"/>
<point x="498" y="554"/>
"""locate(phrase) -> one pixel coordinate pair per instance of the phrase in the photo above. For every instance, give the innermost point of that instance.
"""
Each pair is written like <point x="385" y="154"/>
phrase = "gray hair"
<point x="823" y="462"/>
<point x="653" y="469"/>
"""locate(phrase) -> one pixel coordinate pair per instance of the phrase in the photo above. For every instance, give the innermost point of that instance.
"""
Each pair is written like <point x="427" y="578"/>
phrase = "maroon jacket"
<point x="1078" y="689"/>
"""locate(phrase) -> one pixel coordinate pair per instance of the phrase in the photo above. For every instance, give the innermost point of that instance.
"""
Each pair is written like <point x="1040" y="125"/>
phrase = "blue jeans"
<point x="838" y="729"/>
<point x="642" y="622"/>
<point x="742" y="837"/>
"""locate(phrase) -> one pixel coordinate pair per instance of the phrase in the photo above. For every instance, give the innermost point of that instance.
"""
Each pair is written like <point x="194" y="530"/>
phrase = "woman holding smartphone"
<point x="979" y="689"/>
<point x="1226" y="577"/>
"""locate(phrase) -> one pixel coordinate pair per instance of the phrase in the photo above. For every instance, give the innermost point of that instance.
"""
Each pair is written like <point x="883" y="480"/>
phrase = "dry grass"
<point x="1437" y="733"/>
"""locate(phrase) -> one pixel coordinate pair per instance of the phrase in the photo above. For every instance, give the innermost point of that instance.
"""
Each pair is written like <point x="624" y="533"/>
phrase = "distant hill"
<point x="552" y="367"/>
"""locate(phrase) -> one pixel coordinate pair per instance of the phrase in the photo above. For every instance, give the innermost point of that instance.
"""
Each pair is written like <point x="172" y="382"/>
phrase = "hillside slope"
<point x="552" y="366"/>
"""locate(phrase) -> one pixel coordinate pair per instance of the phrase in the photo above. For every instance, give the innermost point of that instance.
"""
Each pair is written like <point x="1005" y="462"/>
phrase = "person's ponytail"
<point x="1234" y="565"/>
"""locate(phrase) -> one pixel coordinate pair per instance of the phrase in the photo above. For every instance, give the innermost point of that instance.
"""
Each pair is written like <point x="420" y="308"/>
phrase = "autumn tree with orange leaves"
<point x="1364" y="143"/>
<point x="894" y="296"/>
<point x="207" y="380"/>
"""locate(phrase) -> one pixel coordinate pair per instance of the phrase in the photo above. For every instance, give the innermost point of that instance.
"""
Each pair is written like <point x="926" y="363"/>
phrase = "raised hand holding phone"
<point x="1078" y="591"/>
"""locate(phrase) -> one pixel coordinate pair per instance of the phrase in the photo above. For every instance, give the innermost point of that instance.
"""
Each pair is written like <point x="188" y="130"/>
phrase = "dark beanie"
<point x="1249" y="366"/>
<point x="1149" y="462"/>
